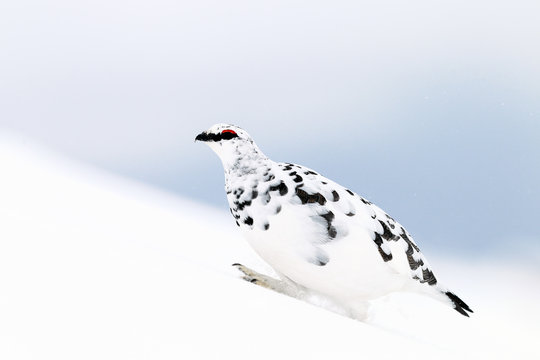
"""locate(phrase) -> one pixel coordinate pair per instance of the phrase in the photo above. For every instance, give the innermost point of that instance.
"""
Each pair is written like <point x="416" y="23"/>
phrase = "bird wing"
<point x="335" y="208"/>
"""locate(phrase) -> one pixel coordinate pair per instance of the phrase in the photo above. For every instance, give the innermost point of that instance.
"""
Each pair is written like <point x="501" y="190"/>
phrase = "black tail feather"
<point x="459" y="305"/>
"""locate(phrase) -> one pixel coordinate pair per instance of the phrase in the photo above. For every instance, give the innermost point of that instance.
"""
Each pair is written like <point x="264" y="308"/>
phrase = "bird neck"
<point x="245" y="159"/>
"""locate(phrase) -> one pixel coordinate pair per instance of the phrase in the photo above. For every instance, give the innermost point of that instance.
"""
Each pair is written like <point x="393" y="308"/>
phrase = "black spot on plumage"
<point x="429" y="277"/>
<point x="379" y="241"/>
<point x="336" y="195"/>
<point x="310" y="198"/>
<point x="374" y="216"/>
<point x="266" y="226"/>
<point x="243" y="204"/>
<point x="412" y="263"/>
<point x="320" y="258"/>
<point x="278" y="209"/>
<point x="319" y="199"/>
<point x="248" y="221"/>
<point x="329" y="217"/>
<point x="254" y="194"/>
<point x="320" y="262"/>
<point x="287" y="168"/>
<point x="365" y="201"/>
<point x="281" y="187"/>
<point x="302" y="195"/>
<point x="298" y="179"/>
<point x="324" y="182"/>
<point x="392" y="226"/>
<point x="406" y="238"/>
<point x="207" y="137"/>
<point x="238" y="192"/>
<point x="332" y="232"/>
<point x="237" y="223"/>
<point x="411" y="249"/>
<point x="387" y="233"/>
<point x="350" y="192"/>
<point x="350" y="214"/>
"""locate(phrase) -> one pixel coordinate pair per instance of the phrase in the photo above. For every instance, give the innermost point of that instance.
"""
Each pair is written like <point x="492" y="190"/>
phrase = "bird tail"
<point x="459" y="305"/>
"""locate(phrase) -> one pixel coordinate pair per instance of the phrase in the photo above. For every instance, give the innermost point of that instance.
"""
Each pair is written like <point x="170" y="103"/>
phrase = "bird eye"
<point x="228" y="134"/>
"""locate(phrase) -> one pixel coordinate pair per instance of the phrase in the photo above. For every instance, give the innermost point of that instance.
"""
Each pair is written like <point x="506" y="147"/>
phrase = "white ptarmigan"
<point x="321" y="238"/>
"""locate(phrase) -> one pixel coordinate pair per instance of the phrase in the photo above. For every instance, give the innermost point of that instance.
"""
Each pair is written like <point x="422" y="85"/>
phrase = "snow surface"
<point x="93" y="266"/>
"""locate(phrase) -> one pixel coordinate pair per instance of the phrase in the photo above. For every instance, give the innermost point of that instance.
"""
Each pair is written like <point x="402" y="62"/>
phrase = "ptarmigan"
<point x="320" y="237"/>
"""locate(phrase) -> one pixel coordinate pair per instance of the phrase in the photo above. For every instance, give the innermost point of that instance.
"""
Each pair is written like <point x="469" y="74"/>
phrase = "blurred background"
<point x="428" y="108"/>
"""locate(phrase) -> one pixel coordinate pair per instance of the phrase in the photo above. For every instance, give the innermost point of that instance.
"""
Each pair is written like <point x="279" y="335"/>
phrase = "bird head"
<point x="230" y="143"/>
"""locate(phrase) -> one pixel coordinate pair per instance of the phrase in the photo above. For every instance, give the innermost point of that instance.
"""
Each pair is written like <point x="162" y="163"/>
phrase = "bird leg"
<point x="280" y="286"/>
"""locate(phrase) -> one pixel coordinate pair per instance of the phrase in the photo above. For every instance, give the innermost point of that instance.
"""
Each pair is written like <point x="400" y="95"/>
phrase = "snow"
<point x="97" y="266"/>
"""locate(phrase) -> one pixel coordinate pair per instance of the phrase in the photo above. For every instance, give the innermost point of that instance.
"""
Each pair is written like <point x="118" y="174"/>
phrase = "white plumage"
<point x="320" y="237"/>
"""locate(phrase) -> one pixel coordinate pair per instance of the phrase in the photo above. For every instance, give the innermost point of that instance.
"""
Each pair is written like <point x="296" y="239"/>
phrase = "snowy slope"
<point x="97" y="267"/>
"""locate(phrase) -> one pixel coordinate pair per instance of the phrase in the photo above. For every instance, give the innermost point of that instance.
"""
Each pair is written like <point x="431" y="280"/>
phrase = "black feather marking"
<point x="412" y="263"/>
<point x="349" y="191"/>
<point x="248" y="221"/>
<point x="278" y="209"/>
<point x="310" y="198"/>
<point x="320" y="262"/>
<point x="238" y="192"/>
<point x="350" y="214"/>
<point x="336" y="195"/>
<point x="266" y="226"/>
<point x="387" y="234"/>
<point x="204" y="136"/>
<point x="254" y="194"/>
<point x="281" y="187"/>
<point x="320" y="259"/>
<point x="242" y="205"/>
<point x="365" y="201"/>
<point x="428" y="276"/>
<point x="298" y="179"/>
<point x="406" y="238"/>
<point x="459" y="305"/>
<point x="379" y="241"/>
<point x="329" y="217"/>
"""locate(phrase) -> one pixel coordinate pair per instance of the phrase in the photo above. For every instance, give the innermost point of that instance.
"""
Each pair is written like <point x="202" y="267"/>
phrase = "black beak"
<point x="202" y="137"/>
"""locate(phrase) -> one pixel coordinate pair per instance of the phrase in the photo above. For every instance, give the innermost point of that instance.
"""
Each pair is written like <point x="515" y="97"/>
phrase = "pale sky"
<point x="428" y="108"/>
